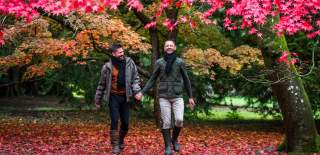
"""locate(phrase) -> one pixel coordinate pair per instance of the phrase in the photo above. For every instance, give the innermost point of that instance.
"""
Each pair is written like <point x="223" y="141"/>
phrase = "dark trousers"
<point x="119" y="108"/>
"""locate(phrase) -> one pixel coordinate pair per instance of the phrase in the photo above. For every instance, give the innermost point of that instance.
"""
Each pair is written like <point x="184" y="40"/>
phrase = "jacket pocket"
<point x="177" y="89"/>
<point x="163" y="87"/>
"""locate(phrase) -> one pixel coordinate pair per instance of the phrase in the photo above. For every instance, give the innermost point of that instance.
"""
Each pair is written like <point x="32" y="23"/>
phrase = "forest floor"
<point x="26" y="131"/>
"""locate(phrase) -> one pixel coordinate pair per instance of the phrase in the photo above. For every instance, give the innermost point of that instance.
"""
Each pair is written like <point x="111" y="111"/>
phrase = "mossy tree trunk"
<point x="287" y="86"/>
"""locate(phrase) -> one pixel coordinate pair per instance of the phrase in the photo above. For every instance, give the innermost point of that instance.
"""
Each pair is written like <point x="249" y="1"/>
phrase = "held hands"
<point x="191" y="104"/>
<point x="138" y="96"/>
<point x="137" y="102"/>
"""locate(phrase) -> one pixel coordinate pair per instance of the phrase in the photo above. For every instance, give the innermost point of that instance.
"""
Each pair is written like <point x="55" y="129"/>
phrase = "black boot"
<point x="175" y="135"/>
<point x="114" y="139"/>
<point x="122" y="135"/>
<point x="167" y="141"/>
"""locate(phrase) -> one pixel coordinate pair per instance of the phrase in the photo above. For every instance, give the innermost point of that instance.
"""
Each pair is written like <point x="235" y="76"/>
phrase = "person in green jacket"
<point x="173" y="77"/>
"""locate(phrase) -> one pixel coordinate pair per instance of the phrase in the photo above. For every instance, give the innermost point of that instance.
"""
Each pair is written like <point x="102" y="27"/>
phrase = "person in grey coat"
<point x="119" y="82"/>
<point x="173" y="77"/>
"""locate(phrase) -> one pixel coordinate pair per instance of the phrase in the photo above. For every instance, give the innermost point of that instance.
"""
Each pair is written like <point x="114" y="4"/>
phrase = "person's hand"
<point x="98" y="105"/>
<point x="138" y="96"/>
<point x="192" y="104"/>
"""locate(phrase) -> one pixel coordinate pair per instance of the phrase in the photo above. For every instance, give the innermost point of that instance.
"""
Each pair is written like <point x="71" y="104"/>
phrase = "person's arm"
<point x="187" y="85"/>
<point x="186" y="80"/>
<point x="135" y="80"/>
<point x="101" y="87"/>
<point x="152" y="79"/>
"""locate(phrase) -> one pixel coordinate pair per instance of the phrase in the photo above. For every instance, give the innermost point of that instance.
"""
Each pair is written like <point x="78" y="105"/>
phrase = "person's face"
<point x="169" y="47"/>
<point x="118" y="54"/>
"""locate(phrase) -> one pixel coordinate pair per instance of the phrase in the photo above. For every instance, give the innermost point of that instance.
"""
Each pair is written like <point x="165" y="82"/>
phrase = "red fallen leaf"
<point x="294" y="61"/>
<point x="150" y="25"/>
<point x="1" y="38"/>
<point x="19" y="137"/>
<point x="178" y="4"/>
<point x="193" y="24"/>
<point x="294" y="54"/>
<point x="284" y="57"/>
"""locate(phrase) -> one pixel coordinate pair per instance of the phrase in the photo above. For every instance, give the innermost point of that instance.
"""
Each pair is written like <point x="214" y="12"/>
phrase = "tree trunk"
<point x="153" y="32"/>
<point x="155" y="56"/>
<point x="14" y="76"/>
<point x="288" y="89"/>
<point x="34" y="88"/>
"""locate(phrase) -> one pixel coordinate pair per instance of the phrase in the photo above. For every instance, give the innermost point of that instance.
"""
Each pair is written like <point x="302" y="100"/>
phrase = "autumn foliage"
<point x="252" y="16"/>
<point x="36" y="43"/>
<point x="102" y="29"/>
<point x="294" y="15"/>
<point x="203" y="60"/>
<point x="39" y="52"/>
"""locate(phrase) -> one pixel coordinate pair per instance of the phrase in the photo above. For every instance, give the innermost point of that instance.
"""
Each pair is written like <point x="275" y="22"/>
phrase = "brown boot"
<point x="122" y="135"/>
<point x="114" y="139"/>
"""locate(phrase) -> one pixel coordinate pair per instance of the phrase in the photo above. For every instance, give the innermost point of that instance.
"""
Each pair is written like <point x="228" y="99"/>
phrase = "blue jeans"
<point x="119" y="108"/>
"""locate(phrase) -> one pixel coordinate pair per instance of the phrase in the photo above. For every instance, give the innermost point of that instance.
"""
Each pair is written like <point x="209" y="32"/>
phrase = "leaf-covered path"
<point x="20" y="135"/>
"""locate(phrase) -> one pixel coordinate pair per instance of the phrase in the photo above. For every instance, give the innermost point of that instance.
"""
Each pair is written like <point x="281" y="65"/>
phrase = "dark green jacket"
<point x="171" y="86"/>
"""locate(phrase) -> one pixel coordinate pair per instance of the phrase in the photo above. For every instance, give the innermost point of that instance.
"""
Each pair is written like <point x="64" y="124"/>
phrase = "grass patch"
<point x="48" y="109"/>
<point x="243" y="101"/>
<point x="227" y="114"/>
<point x="236" y="101"/>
